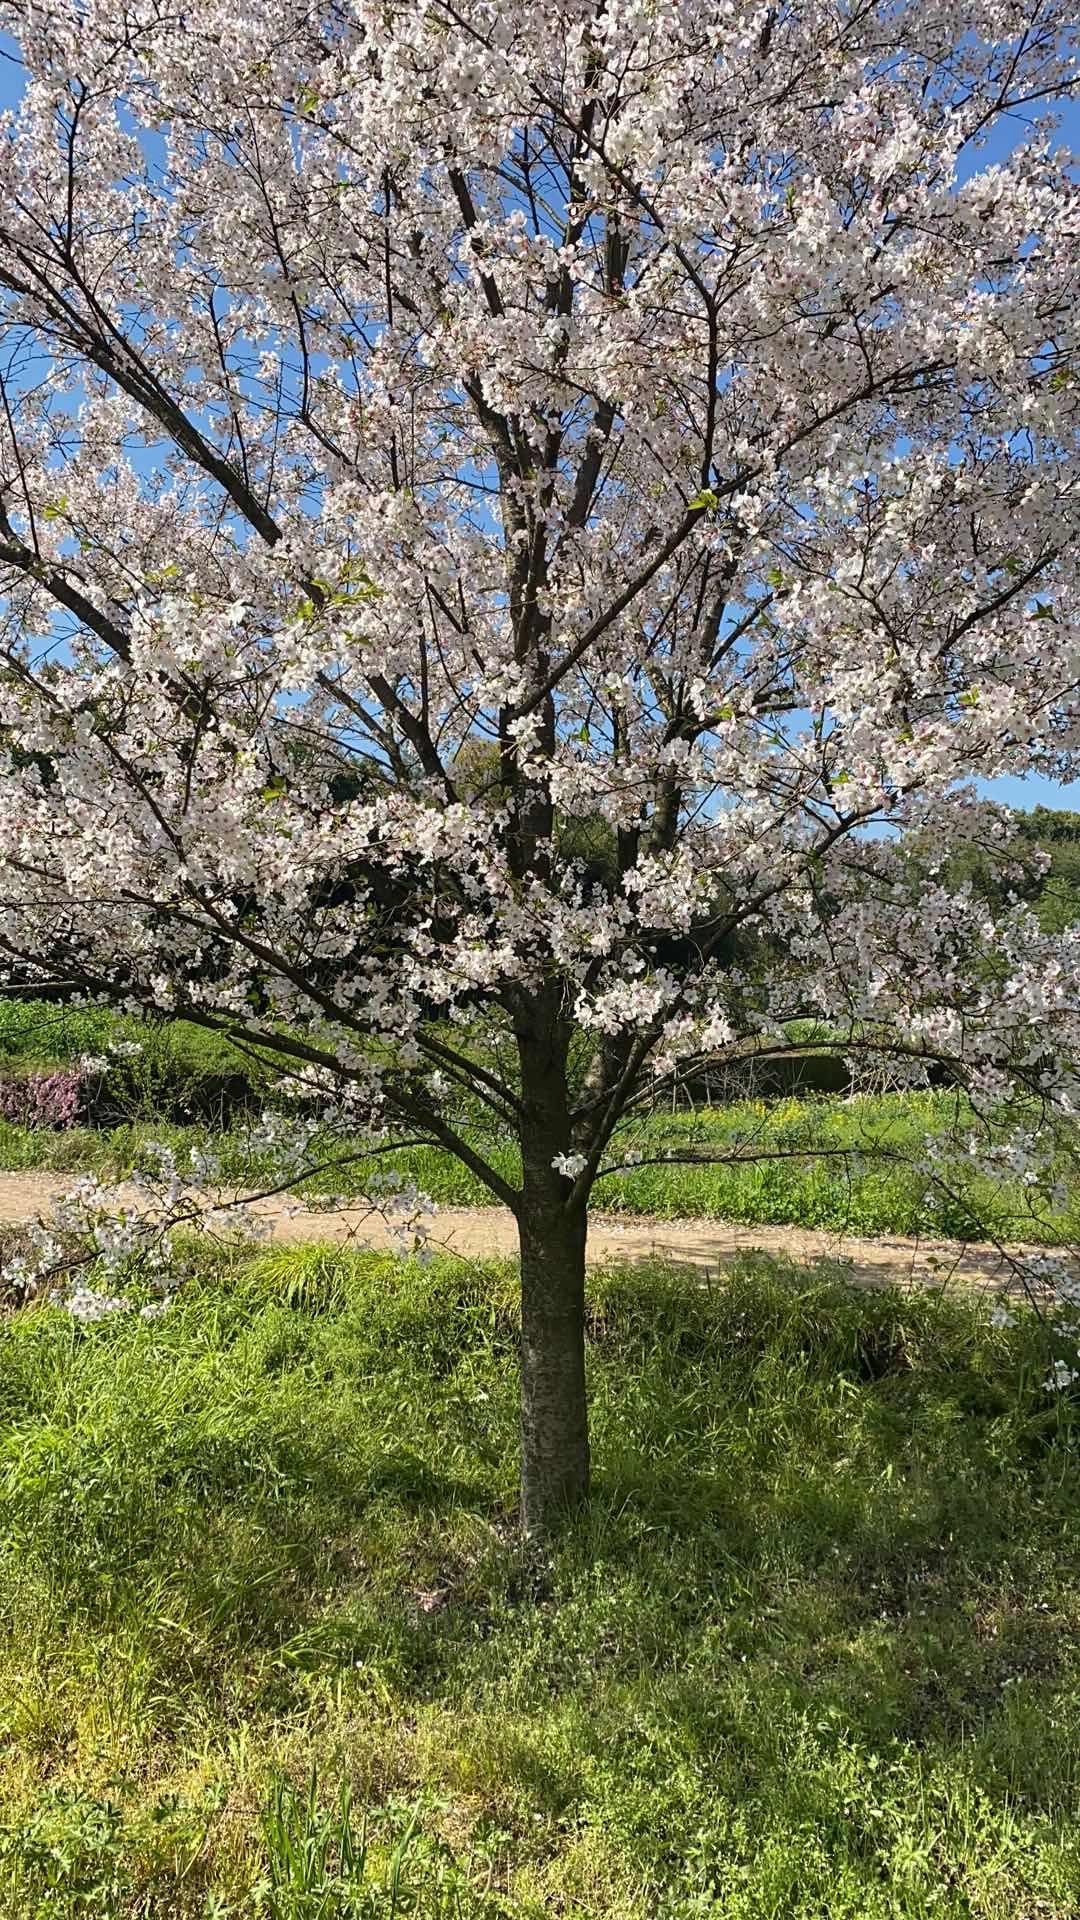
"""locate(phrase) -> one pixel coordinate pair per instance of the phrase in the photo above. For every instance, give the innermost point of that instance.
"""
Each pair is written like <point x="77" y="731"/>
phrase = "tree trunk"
<point x="554" y="1416"/>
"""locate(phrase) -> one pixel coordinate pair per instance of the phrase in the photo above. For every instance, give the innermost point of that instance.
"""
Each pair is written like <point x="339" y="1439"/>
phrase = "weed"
<point x="322" y="1863"/>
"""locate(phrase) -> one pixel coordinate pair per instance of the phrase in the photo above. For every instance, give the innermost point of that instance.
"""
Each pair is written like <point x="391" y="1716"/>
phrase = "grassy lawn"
<point x="871" y="1198"/>
<point x="269" y="1647"/>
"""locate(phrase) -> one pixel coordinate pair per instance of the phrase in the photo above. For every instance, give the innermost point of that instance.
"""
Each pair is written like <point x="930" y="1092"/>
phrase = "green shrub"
<point x="145" y="1068"/>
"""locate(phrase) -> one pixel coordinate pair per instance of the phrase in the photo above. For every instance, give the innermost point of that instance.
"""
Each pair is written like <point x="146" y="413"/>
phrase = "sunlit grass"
<point x="874" y="1187"/>
<point x="812" y="1651"/>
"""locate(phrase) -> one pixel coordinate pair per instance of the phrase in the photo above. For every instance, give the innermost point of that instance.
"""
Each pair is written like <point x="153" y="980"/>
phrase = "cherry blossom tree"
<point x="441" y="440"/>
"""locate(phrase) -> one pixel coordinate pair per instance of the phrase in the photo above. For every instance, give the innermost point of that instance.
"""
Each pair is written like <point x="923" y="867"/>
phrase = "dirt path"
<point x="478" y="1233"/>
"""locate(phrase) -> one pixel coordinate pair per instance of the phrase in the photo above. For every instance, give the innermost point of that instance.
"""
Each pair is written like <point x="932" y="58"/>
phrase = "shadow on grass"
<point x="813" y="1640"/>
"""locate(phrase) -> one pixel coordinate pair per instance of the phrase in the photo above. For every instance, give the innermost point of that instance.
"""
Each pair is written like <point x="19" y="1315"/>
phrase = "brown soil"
<point x="480" y="1233"/>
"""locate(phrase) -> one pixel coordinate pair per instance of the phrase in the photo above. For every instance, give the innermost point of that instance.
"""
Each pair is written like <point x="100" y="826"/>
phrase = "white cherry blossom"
<point x="519" y="533"/>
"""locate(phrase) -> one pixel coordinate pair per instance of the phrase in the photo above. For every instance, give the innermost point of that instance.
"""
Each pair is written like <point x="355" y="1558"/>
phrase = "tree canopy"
<point x="660" y="405"/>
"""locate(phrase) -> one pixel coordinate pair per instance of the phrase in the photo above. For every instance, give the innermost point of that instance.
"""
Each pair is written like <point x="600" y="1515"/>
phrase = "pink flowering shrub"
<point x="44" y="1099"/>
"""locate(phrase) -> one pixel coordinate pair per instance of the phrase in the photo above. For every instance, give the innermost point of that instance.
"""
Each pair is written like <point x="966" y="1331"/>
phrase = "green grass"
<point x="881" y="1197"/>
<point x="36" y="1032"/>
<point x="33" y="1033"/>
<point x="183" y="1069"/>
<point x="269" y="1645"/>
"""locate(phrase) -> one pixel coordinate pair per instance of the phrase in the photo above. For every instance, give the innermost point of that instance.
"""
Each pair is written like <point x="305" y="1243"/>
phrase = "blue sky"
<point x="1033" y="789"/>
<point x="1030" y="791"/>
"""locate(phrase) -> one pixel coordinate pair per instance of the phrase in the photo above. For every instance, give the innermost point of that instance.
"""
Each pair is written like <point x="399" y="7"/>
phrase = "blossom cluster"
<point x="43" y="1099"/>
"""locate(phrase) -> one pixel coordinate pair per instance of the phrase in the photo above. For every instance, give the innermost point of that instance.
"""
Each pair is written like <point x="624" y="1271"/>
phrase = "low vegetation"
<point x="272" y="1647"/>
<point x="866" y="1182"/>
<point x="828" y="1160"/>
